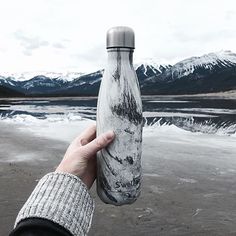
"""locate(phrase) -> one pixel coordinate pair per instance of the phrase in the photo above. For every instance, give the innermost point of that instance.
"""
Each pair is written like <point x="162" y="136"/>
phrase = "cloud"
<point x="59" y="45"/>
<point x="230" y="15"/>
<point x="92" y="53"/>
<point x="94" y="58"/>
<point x="30" y="43"/>
<point x="55" y="35"/>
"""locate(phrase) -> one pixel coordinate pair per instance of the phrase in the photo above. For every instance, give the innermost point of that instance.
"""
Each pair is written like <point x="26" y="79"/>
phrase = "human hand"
<point x="80" y="157"/>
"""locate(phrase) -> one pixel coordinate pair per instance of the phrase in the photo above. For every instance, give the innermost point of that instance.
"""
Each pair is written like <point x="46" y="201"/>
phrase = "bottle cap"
<point x="120" y="37"/>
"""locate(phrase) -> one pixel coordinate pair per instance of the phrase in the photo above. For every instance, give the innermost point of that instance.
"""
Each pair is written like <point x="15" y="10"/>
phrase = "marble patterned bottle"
<point x="120" y="109"/>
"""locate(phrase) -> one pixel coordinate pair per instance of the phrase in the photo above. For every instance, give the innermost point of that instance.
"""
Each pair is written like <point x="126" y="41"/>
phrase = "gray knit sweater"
<point x="62" y="198"/>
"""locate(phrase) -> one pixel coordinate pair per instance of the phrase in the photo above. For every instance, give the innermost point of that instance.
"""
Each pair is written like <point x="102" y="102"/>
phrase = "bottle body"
<point x="120" y="109"/>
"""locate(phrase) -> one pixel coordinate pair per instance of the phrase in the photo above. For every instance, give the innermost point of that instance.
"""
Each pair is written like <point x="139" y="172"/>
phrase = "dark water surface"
<point x="196" y="114"/>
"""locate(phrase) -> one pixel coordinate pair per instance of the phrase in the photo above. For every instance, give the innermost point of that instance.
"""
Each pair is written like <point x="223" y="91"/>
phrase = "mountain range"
<point x="213" y="72"/>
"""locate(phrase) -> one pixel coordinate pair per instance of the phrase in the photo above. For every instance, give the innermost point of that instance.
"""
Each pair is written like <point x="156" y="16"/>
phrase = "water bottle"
<point x="120" y="109"/>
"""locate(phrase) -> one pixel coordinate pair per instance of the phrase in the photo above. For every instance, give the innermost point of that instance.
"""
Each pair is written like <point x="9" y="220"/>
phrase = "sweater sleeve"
<point x="63" y="199"/>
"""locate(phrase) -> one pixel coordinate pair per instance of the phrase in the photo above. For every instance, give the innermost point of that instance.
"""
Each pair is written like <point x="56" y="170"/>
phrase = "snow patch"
<point x="207" y="61"/>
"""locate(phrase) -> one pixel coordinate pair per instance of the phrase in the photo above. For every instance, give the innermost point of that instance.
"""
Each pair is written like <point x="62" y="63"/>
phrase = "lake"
<point x="188" y="162"/>
<point x="204" y="114"/>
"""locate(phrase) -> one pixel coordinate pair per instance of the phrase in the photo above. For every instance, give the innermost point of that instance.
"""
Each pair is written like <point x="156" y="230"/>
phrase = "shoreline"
<point x="230" y="94"/>
<point x="186" y="189"/>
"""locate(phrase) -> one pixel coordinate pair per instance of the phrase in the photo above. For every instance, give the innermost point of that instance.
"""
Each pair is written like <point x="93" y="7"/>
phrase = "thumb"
<point x="97" y="144"/>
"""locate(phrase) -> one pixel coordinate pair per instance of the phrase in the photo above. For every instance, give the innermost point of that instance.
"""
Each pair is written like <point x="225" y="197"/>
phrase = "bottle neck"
<point x="122" y="55"/>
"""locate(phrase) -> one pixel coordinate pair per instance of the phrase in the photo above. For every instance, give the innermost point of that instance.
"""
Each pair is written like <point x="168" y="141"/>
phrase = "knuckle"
<point x="77" y="140"/>
<point x="83" y="141"/>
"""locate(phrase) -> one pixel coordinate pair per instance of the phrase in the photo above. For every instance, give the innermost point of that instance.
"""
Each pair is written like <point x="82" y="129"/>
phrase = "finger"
<point x="97" y="144"/>
<point x="87" y="135"/>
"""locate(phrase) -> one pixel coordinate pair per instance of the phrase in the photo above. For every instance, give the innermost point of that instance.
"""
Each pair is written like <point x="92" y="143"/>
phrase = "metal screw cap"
<point x="120" y="37"/>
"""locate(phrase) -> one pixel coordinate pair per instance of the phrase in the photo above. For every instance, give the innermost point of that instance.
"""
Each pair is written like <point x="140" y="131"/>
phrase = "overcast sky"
<point x="69" y="35"/>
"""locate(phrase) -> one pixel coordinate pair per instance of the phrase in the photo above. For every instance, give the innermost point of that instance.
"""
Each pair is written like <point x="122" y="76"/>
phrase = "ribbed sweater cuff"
<point x="62" y="198"/>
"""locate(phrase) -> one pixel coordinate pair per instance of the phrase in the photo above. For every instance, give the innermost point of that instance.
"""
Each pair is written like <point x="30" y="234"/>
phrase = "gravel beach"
<point x="190" y="193"/>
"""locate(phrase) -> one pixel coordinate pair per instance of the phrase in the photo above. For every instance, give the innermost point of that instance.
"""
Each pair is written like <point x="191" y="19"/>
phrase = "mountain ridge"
<point x="211" y="72"/>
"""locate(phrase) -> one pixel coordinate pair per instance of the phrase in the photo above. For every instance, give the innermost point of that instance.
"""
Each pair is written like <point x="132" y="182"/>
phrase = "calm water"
<point x="205" y="115"/>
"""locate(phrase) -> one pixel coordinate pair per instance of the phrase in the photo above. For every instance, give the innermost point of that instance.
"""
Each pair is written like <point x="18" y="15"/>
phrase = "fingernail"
<point x="110" y="134"/>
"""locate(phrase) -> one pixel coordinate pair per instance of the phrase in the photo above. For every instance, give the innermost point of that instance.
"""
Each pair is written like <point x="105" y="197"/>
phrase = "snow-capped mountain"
<point x="209" y="73"/>
<point x="206" y="63"/>
<point x="52" y="83"/>
<point x="66" y="76"/>
<point x="149" y="68"/>
<point x="212" y="72"/>
<point x="7" y="80"/>
<point x="150" y="64"/>
<point x="85" y="85"/>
